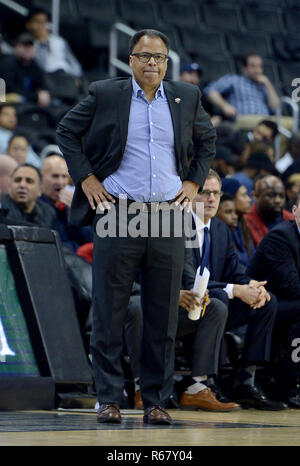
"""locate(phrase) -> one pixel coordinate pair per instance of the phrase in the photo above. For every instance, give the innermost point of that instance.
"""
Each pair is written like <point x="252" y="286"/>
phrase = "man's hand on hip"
<point x="185" y="196"/>
<point x="96" y="193"/>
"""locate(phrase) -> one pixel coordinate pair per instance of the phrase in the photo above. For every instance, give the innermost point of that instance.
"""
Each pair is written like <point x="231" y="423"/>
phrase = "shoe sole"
<point x="261" y="408"/>
<point x="197" y="408"/>
<point x="109" y="421"/>
<point x="156" y="423"/>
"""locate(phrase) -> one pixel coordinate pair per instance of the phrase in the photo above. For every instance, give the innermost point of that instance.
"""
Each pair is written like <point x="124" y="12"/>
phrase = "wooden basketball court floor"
<point x="79" y="427"/>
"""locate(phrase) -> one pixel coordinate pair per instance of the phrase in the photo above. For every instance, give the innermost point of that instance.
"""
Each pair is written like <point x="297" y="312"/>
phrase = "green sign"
<point x="16" y="353"/>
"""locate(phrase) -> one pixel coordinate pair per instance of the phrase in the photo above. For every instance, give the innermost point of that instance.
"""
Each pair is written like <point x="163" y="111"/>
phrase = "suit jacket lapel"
<point x="214" y="251"/>
<point x="124" y="110"/>
<point x="175" y="109"/>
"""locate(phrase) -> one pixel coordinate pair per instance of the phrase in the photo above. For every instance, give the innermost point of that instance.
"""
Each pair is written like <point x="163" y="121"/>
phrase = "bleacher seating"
<point x="222" y="17"/>
<point x="180" y="13"/>
<point x="240" y="43"/>
<point x="263" y="19"/>
<point x="198" y="42"/>
<point x="138" y="13"/>
<point x="214" y="67"/>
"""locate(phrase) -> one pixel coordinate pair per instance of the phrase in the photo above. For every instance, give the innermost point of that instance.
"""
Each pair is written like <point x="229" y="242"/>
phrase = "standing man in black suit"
<point x="137" y="137"/>
<point x="278" y="259"/>
<point x="247" y="300"/>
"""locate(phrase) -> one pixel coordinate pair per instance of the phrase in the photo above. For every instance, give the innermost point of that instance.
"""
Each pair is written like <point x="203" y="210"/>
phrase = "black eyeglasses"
<point x="206" y="193"/>
<point x="145" y="57"/>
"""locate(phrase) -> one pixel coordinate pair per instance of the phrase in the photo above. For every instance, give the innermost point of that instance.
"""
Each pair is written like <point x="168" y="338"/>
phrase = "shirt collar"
<point x="199" y="224"/>
<point x="137" y="90"/>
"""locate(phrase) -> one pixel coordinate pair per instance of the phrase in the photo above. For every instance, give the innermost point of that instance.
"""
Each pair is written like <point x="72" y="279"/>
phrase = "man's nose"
<point x="152" y="61"/>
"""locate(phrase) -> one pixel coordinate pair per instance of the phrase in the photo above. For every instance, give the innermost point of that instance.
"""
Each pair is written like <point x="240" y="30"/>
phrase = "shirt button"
<point x="152" y="139"/>
<point x="151" y="123"/>
<point x="150" y="106"/>
<point x="154" y="176"/>
<point x="153" y="194"/>
<point x="154" y="157"/>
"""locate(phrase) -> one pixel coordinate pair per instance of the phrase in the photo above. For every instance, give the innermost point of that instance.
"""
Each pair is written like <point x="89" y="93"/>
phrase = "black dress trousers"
<point x="158" y="258"/>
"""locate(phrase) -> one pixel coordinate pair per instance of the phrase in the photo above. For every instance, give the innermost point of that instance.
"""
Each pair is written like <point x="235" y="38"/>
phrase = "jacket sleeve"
<point x="204" y="137"/>
<point x="70" y="131"/>
<point x="281" y="259"/>
<point x="233" y="271"/>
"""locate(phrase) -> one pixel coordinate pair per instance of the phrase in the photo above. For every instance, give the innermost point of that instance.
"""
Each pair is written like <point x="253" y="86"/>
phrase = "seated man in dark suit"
<point x="247" y="300"/>
<point x="201" y="390"/>
<point x="21" y="205"/>
<point x="278" y="259"/>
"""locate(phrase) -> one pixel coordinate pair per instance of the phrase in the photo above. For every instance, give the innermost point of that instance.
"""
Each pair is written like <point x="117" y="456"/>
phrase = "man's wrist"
<point x="236" y="291"/>
<point x="85" y="177"/>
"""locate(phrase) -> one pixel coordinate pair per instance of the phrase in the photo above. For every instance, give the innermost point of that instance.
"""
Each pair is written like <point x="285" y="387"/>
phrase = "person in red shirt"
<point x="268" y="209"/>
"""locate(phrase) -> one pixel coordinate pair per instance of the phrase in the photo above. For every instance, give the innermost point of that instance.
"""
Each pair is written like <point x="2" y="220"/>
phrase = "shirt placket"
<point x="152" y="152"/>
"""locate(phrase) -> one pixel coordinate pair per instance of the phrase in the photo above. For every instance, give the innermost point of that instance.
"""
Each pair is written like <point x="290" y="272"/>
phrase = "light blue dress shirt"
<point x="148" y="169"/>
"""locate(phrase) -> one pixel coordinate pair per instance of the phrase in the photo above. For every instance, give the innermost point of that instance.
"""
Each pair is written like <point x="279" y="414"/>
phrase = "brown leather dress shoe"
<point x="109" y="412"/>
<point x="137" y="401"/>
<point x="206" y="400"/>
<point x="156" y="415"/>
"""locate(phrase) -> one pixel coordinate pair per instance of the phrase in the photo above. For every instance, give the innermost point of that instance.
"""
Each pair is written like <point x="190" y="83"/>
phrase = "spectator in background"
<point x="24" y="78"/>
<point x="258" y="146"/>
<point x="7" y="166"/>
<point x="250" y="93"/>
<point x="292" y="156"/>
<point x="8" y="125"/>
<point x="52" y="52"/>
<point x="268" y="209"/>
<point x="21" y="205"/>
<point x="257" y="164"/>
<point x="224" y="162"/>
<point x="55" y="178"/>
<point x="292" y="187"/>
<point x="227" y="211"/>
<point x="265" y="130"/>
<point x="18" y="148"/>
<point x="240" y="235"/>
<point x="191" y="73"/>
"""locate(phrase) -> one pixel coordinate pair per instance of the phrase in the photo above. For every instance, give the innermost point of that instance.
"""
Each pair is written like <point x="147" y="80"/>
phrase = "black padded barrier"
<point x="38" y="314"/>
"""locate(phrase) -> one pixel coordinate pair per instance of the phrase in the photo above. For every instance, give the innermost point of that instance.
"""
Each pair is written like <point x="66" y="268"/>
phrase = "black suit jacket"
<point x="92" y="136"/>
<point x="12" y="214"/>
<point x="224" y="263"/>
<point x="277" y="259"/>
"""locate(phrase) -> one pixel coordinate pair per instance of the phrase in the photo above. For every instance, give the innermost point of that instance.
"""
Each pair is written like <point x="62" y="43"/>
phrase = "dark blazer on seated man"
<point x="278" y="260"/>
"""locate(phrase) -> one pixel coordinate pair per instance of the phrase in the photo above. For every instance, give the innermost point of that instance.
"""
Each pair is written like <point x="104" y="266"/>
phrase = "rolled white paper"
<point x="200" y="286"/>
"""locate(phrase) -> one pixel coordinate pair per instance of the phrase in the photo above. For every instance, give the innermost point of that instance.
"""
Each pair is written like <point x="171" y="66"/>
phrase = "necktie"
<point x="205" y="251"/>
